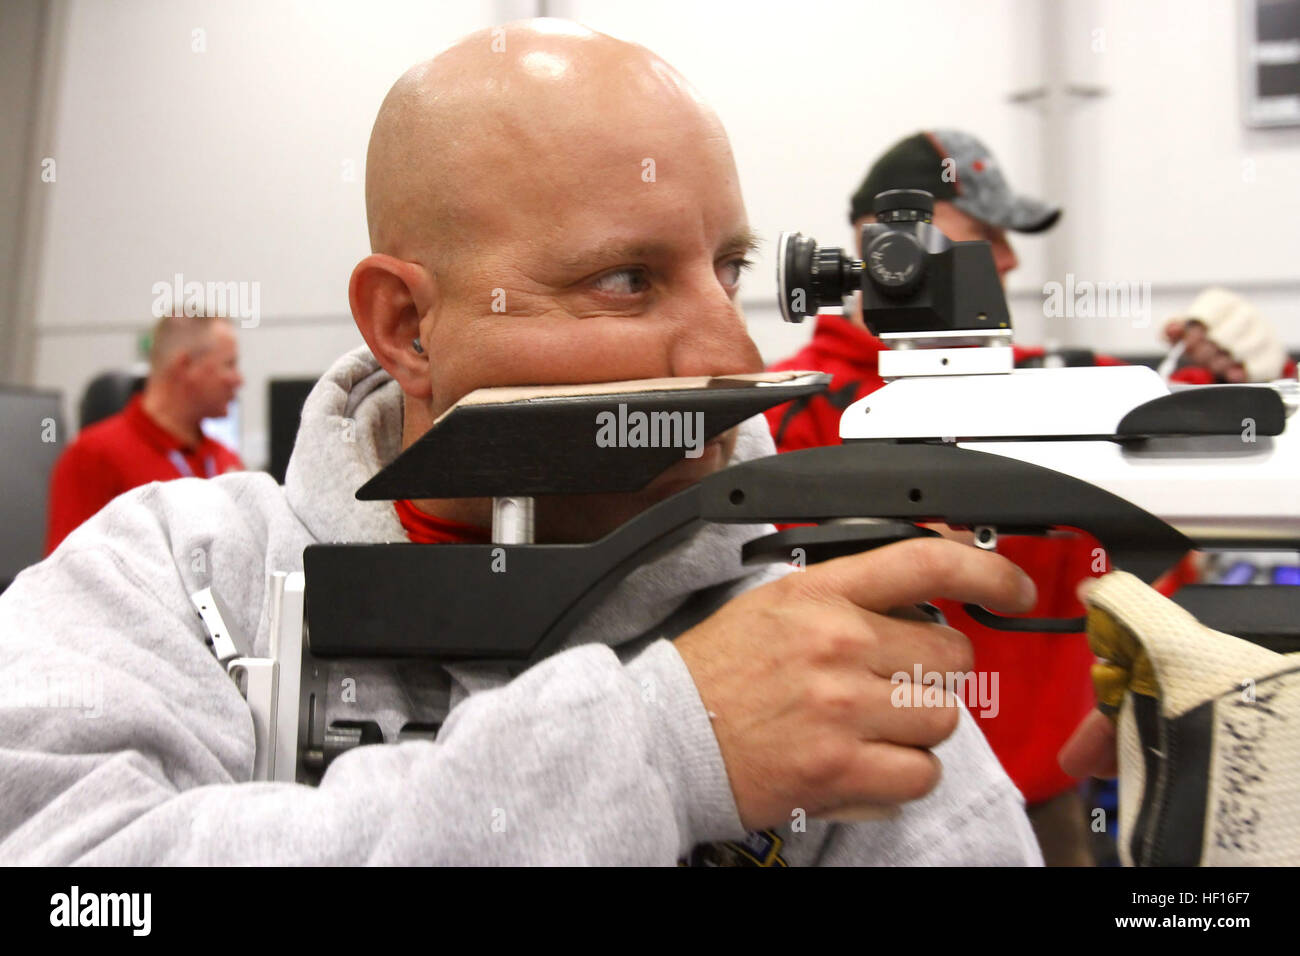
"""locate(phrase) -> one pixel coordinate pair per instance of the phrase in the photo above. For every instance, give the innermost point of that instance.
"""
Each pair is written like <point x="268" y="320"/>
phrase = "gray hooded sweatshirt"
<point x="123" y="741"/>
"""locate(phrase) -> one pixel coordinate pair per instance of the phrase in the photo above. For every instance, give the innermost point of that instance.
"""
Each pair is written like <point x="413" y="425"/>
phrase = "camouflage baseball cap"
<point x="957" y="168"/>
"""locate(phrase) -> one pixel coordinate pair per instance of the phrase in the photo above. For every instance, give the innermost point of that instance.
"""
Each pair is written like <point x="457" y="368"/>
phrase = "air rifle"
<point x="957" y="436"/>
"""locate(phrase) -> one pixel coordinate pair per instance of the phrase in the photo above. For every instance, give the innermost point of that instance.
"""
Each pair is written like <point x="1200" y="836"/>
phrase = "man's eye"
<point x="729" y="272"/>
<point x="623" y="282"/>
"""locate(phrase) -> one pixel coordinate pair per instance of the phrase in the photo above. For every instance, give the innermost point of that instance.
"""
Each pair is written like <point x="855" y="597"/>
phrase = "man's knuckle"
<point x="960" y="651"/>
<point x="930" y="726"/>
<point x="837" y="642"/>
<point x="946" y="720"/>
<point x="936" y="561"/>
<point x="823" y="764"/>
<point x="832" y="700"/>
<point x="918" y="777"/>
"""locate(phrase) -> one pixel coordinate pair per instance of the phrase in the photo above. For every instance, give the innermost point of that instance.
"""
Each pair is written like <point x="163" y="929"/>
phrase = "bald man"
<point x="158" y="436"/>
<point x="700" y="713"/>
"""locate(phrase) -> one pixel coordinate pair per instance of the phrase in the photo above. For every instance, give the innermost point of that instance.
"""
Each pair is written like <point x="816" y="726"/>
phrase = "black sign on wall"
<point x="1270" y="53"/>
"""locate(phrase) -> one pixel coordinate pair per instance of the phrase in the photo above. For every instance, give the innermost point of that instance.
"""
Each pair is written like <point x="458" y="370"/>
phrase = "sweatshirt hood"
<point x="351" y="427"/>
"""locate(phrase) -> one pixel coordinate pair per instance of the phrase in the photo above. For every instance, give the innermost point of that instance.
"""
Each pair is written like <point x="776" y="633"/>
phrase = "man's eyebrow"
<point x="745" y="240"/>
<point x="615" y="252"/>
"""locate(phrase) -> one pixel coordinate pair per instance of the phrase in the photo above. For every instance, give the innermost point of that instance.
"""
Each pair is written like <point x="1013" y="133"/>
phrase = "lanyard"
<point x="183" y="467"/>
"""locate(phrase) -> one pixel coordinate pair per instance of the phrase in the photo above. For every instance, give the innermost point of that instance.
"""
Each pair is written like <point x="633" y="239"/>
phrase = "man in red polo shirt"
<point x="193" y="375"/>
<point x="1044" y="689"/>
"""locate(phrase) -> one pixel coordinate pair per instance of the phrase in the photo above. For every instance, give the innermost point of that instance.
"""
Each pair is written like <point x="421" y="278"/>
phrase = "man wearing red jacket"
<point x="1044" y="689"/>
<point x="193" y="375"/>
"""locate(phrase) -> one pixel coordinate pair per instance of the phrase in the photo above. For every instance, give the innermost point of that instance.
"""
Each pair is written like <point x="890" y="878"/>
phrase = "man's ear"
<point x="179" y="367"/>
<point x="388" y="298"/>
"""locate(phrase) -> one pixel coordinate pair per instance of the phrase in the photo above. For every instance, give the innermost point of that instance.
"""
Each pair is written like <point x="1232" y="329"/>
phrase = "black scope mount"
<point x="913" y="279"/>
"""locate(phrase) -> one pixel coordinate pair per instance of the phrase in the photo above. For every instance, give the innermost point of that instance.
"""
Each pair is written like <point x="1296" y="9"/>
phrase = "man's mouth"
<point x="690" y="470"/>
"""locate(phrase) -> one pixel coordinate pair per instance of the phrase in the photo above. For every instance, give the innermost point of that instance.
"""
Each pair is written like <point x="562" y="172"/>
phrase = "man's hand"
<point x="798" y="673"/>
<point x="1090" y="751"/>
<point x="1198" y="349"/>
<point x="1225" y="334"/>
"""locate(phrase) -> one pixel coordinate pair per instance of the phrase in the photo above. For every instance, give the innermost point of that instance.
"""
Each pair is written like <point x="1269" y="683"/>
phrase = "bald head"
<point x="549" y="205"/>
<point x="498" y="118"/>
<point x="193" y="372"/>
<point x="178" y="335"/>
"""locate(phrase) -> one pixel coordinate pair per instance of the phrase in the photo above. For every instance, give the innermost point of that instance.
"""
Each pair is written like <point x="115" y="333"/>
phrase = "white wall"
<point x="1161" y="181"/>
<point x="811" y="92"/>
<point x="225" y="165"/>
<point x="229" y="165"/>
<point x="1169" y="186"/>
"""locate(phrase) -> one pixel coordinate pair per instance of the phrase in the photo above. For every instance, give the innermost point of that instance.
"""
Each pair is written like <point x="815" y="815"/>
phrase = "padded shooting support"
<point x="516" y="442"/>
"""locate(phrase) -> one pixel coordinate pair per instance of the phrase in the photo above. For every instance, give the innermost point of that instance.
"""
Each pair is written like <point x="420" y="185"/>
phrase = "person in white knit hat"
<point x="1225" y="334"/>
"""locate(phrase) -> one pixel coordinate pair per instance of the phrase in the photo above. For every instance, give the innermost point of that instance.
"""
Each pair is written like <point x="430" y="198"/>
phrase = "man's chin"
<point x="713" y="457"/>
<point x="574" y="519"/>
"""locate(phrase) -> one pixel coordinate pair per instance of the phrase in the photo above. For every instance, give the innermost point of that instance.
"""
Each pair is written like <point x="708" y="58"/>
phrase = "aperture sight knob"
<point x="896" y="263"/>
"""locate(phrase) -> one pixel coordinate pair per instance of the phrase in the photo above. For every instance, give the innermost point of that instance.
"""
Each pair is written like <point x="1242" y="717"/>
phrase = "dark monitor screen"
<point x="32" y="435"/>
<point x="285" y="400"/>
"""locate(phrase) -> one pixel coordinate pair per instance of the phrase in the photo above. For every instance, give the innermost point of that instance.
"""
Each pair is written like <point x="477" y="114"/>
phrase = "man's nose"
<point x="714" y="340"/>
